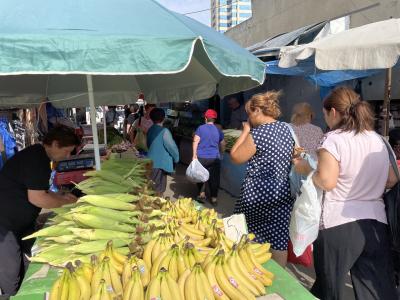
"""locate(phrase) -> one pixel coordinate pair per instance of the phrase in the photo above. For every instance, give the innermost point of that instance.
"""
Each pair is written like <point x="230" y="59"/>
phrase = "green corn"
<point x="64" y="239"/>
<point x="128" y="198"/>
<point x="92" y="221"/>
<point x="54" y="230"/>
<point x="117" y="215"/>
<point x="95" y="246"/>
<point x="99" y="234"/>
<point x="107" y="202"/>
<point x="95" y="185"/>
<point x="108" y="176"/>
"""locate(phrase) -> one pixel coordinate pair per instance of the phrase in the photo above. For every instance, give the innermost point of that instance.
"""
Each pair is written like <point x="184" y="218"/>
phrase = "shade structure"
<point x="48" y="47"/>
<point x="372" y="46"/>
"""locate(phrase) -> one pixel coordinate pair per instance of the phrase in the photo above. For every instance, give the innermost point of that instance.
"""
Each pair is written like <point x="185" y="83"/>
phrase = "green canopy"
<point x="127" y="46"/>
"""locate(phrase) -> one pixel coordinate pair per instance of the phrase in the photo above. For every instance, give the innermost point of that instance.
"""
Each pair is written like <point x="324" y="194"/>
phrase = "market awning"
<point x="272" y="46"/>
<point x="372" y="46"/>
<point x="322" y="78"/>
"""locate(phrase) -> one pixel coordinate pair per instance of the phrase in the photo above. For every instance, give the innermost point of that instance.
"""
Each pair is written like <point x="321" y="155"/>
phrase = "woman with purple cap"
<point x="208" y="142"/>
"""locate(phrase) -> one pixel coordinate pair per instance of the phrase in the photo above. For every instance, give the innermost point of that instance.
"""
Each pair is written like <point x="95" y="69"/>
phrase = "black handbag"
<point x="392" y="204"/>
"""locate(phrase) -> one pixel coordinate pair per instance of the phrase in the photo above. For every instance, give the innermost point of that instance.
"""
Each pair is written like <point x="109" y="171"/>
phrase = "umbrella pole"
<point x="386" y="101"/>
<point x="93" y="121"/>
<point x="105" y="125"/>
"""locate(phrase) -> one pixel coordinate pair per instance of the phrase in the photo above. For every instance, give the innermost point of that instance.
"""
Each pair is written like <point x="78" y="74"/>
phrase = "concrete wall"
<point x="273" y="17"/>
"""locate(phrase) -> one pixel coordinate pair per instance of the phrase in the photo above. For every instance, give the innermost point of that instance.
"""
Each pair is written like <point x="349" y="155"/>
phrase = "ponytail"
<point x="357" y="115"/>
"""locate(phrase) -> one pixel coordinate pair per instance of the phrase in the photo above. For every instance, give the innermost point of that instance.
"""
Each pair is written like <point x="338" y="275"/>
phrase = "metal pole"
<point x="386" y="101"/>
<point x="93" y="122"/>
<point x="105" y="126"/>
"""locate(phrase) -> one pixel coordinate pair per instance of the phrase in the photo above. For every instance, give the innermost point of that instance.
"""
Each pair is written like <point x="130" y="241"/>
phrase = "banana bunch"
<point x="164" y="287"/>
<point x="106" y="271"/>
<point x="71" y="286"/>
<point x="116" y="258"/>
<point x="134" y="289"/>
<point x="154" y="248"/>
<point x="194" y="284"/>
<point x="134" y="263"/>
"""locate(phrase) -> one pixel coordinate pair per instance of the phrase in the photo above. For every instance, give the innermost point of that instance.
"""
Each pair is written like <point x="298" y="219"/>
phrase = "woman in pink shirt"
<point x="354" y="170"/>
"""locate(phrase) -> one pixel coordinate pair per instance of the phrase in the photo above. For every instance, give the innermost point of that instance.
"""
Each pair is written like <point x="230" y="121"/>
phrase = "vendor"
<point x="24" y="191"/>
<point x="238" y="115"/>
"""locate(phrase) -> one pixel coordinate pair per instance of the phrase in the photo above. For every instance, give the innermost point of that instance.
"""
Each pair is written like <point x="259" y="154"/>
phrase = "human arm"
<point x="196" y="141"/>
<point x="170" y="145"/>
<point x="327" y="173"/>
<point x="392" y="178"/>
<point x="47" y="199"/>
<point x="244" y="148"/>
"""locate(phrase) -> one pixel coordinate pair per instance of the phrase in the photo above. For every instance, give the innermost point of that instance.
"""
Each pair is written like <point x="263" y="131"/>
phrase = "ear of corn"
<point x="54" y="230"/>
<point x="99" y="234"/>
<point x="95" y="246"/>
<point x="92" y="221"/>
<point x="121" y="216"/>
<point x="106" y="203"/>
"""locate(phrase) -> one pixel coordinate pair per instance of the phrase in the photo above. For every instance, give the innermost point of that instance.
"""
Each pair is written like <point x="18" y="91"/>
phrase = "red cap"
<point x="210" y="114"/>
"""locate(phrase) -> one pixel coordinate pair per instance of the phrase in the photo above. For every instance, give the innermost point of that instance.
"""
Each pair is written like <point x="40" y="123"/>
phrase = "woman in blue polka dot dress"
<point x="267" y="145"/>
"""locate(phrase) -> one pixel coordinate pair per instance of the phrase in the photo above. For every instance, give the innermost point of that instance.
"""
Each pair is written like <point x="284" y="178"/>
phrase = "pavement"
<point x="178" y="187"/>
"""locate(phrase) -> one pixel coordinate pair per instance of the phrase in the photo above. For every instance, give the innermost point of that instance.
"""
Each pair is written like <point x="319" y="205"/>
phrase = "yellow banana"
<point x="232" y="292"/>
<point x="118" y="256"/>
<point x="199" y="288"/>
<point x="252" y="269"/>
<point x="257" y="248"/>
<point x="201" y="243"/>
<point x="181" y="282"/>
<point x="156" y="265"/>
<point x="147" y="252"/>
<point x="181" y="264"/>
<point x="190" y="287"/>
<point x="137" y="292"/>
<point x="173" y="287"/>
<point x="233" y="279"/>
<point x="154" y="288"/>
<point x="84" y="287"/>
<point x="262" y="258"/>
<point x="56" y="288"/>
<point x="115" y="279"/>
<point x="217" y="291"/>
<point x="127" y="273"/>
<point x="156" y="250"/>
<point x="192" y="229"/>
<point x="74" y="291"/>
<point x="144" y="271"/>
<point x="165" y="292"/>
<point x="205" y="284"/>
<point x="257" y="266"/>
<point x="96" y="278"/>
<point x="250" y="276"/>
<point x="241" y="278"/>
<point x="173" y="266"/>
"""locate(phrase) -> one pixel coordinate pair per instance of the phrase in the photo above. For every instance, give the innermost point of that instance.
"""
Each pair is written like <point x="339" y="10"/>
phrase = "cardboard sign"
<point x="235" y="226"/>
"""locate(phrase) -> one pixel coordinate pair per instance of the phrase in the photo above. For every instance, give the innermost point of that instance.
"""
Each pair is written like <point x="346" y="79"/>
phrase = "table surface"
<point x="284" y="284"/>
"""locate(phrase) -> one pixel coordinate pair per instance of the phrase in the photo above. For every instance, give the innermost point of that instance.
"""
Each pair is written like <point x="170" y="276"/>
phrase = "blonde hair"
<point x="267" y="102"/>
<point x="302" y="113"/>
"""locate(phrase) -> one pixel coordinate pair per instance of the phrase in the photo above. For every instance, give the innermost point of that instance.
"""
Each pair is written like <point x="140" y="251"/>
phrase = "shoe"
<point x="200" y="199"/>
<point x="214" y="202"/>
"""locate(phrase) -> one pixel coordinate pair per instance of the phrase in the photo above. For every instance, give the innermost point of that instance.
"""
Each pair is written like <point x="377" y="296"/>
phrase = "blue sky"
<point x="184" y="6"/>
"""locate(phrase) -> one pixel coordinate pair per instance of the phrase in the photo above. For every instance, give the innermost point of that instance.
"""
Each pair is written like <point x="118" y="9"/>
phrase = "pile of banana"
<point x="179" y="272"/>
<point x="84" y="228"/>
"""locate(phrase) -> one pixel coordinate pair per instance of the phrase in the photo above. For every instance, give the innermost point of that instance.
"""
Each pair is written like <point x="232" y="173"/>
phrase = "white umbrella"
<point x="372" y="46"/>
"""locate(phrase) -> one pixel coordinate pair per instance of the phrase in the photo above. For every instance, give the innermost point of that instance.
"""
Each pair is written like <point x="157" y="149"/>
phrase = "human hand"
<point x="194" y="157"/>
<point x="302" y="166"/>
<point x="246" y="126"/>
<point x="70" y="198"/>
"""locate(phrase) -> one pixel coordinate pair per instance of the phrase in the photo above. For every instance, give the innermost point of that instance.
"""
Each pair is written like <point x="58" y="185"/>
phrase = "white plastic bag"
<point x="306" y="215"/>
<point x="196" y="172"/>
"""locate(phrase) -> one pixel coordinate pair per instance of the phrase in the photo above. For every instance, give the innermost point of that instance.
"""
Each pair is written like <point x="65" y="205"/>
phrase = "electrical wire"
<point x="209" y="9"/>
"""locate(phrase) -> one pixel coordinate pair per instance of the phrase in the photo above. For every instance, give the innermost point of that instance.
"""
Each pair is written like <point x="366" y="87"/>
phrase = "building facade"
<point x="226" y="14"/>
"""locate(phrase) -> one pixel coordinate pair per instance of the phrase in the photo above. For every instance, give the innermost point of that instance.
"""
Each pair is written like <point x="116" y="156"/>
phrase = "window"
<point x="244" y="15"/>
<point x="245" y="7"/>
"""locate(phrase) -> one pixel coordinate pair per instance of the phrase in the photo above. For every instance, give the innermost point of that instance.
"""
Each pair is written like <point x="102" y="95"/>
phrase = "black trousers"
<point x="361" y="248"/>
<point x="213" y="166"/>
<point x="13" y="263"/>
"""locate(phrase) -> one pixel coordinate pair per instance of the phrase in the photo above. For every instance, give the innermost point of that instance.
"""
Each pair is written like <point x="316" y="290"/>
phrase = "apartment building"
<point x="226" y="14"/>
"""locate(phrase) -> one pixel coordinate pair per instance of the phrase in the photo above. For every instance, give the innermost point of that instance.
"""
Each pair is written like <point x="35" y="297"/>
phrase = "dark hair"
<point x="63" y="135"/>
<point x="356" y="114"/>
<point x="157" y="115"/>
<point x="210" y="120"/>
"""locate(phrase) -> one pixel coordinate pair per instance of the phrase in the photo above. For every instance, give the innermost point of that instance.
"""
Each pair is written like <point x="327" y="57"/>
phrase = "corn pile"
<point x="85" y="227"/>
<point x="231" y="136"/>
<point x="189" y="258"/>
<point x="123" y="175"/>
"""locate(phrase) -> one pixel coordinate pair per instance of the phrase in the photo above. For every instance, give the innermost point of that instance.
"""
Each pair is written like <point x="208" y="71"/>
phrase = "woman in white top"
<point x="353" y="169"/>
<point x="309" y="135"/>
